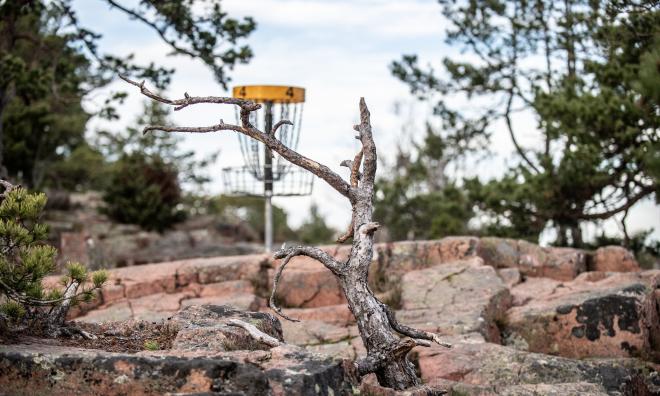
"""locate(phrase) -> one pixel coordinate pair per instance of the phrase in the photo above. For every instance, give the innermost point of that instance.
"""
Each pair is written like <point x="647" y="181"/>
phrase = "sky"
<point x="339" y="51"/>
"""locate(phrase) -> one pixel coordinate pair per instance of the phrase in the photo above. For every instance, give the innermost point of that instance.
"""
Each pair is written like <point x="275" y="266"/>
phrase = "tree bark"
<point x="386" y="350"/>
<point x="3" y="169"/>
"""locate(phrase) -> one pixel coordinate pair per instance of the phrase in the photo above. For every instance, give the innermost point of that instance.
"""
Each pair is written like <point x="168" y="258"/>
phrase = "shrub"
<point x="144" y="190"/>
<point x="151" y="345"/>
<point x="25" y="260"/>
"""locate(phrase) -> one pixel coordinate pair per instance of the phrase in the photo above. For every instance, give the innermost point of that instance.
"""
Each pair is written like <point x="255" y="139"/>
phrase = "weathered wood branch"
<point x="411" y="332"/>
<point x="256" y="333"/>
<point x="368" y="146"/>
<point x="287" y="254"/>
<point x="279" y="124"/>
<point x="60" y="311"/>
<point x="190" y="100"/>
<point x="246" y="128"/>
<point x="355" y="179"/>
<point x="7" y="186"/>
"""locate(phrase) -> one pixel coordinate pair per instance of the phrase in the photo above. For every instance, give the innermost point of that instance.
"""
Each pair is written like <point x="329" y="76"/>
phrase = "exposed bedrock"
<point x="595" y="315"/>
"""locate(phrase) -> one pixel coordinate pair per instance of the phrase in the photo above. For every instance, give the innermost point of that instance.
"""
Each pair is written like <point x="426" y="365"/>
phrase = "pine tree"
<point x="49" y="62"/>
<point x="587" y="71"/>
<point x="314" y="230"/>
<point x="26" y="260"/>
<point x="416" y="199"/>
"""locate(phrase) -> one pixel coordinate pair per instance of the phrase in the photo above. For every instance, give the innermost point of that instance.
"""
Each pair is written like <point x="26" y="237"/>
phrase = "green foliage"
<point x="587" y="71"/>
<point x="314" y="231"/>
<point x="49" y="62"/>
<point x="99" y="278"/>
<point x="25" y="260"/>
<point x="146" y="172"/>
<point x="114" y="145"/>
<point x="145" y="191"/>
<point x="41" y="88"/>
<point x="84" y="168"/>
<point x="417" y="200"/>
<point x="151" y="345"/>
<point x="13" y="310"/>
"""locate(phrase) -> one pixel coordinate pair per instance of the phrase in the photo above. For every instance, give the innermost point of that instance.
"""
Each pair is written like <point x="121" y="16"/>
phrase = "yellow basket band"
<point x="270" y="93"/>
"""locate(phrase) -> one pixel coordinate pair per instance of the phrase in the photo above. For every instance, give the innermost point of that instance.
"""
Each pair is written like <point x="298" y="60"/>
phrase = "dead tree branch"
<point x="411" y="332"/>
<point x="60" y="312"/>
<point x="287" y="254"/>
<point x="279" y="124"/>
<point x="255" y="333"/>
<point x="378" y="327"/>
<point x="354" y="166"/>
<point x="246" y="128"/>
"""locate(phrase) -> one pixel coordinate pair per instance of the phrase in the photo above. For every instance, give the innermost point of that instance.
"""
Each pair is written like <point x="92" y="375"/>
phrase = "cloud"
<point x="381" y="18"/>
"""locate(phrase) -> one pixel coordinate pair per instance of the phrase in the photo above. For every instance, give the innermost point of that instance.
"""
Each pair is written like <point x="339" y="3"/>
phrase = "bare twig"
<point x="411" y="332"/>
<point x="645" y="191"/>
<point x="355" y="179"/>
<point x="212" y="128"/>
<point x="190" y="100"/>
<point x="279" y="124"/>
<point x="255" y="333"/>
<point x="287" y="254"/>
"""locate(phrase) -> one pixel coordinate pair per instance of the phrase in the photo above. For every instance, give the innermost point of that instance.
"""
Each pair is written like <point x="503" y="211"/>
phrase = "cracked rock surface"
<point x="524" y="320"/>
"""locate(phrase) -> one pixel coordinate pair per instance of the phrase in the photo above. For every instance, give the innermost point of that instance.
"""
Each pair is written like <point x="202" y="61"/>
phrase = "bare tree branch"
<point x="213" y="128"/>
<point x="287" y="254"/>
<point x="355" y="178"/>
<point x="646" y="191"/>
<point x="411" y="332"/>
<point x="279" y="124"/>
<point x="256" y="333"/>
<point x="368" y="147"/>
<point x="247" y="106"/>
<point x="8" y="187"/>
<point x="161" y="32"/>
<point x="190" y="100"/>
<point x="60" y="312"/>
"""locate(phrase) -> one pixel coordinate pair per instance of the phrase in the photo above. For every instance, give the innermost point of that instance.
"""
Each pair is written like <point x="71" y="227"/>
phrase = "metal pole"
<point x="268" y="183"/>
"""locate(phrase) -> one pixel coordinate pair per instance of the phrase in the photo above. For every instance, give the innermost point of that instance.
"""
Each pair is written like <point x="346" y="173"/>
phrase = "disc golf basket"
<point x="265" y="174"/>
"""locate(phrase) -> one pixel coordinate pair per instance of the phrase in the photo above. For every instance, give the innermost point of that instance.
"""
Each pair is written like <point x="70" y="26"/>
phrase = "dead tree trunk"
<point x="381" y="333"/>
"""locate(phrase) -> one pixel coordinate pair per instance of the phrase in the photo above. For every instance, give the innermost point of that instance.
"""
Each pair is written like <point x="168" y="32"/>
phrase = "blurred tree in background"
<point x="314" y="230"/>
<point x="587" y="71"/>
<point x="144" y="190"/>
<point x="417" y="200"/>
<point x="142" y="180"/>
<point x="251" y="210"/>
<point x="42" y="83"/>
<point x="49" y="62"/>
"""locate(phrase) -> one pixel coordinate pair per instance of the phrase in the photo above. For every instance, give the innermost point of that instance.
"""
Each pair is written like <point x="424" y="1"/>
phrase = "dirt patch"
<point x="125" y="337"/>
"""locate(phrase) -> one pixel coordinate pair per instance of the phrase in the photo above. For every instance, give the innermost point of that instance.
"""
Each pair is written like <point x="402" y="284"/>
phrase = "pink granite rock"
<point x="496" y="369"/>
<point x="615" y="316"/>
<point x="614" y="258"/>
<point x="454" y="298"/>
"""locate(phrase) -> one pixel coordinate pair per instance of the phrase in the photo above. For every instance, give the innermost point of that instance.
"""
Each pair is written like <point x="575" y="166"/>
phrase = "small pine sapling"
<point x="24" y="262"/>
